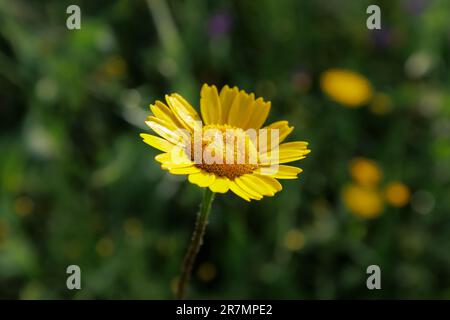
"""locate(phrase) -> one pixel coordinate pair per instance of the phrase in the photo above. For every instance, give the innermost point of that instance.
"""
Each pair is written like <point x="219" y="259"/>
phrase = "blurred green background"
<point x="78" y="186"/>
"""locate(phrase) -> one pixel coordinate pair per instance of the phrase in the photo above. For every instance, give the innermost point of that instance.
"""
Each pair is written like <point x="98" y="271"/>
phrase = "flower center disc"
<point x="224" y="151"/>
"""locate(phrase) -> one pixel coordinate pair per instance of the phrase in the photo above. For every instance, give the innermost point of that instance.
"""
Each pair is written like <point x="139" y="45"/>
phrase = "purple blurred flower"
<point x="381" y="38"/>
<point x="416" y="7"/>
<point x="219" y="24"/>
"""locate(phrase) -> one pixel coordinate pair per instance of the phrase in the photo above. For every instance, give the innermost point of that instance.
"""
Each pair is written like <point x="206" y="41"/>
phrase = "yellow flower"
<point x="23" y="206"/>
<point x="115" y="66"/>
<point x="397" y="194"/>
<point x="133" y="227"/>
<point x="105" y="247"/>
<point x="226" y="150"/>
<point x="206" y="271"/>
<point x="362" y="201"/>
<point x="294" y="240"/>
<point x="346" y="87"/>
<point x="3" y="233"/>
<point x="365" y="172"/>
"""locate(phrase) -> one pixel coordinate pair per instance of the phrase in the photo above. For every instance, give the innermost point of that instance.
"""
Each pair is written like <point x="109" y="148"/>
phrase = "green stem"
<point x="196" y="242"/>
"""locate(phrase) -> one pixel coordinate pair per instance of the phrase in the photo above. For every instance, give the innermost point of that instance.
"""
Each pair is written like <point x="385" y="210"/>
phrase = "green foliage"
<point x="78" y="186"/>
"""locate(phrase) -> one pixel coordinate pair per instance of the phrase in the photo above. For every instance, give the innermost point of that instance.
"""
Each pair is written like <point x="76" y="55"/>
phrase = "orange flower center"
<point x="224" y="150"/>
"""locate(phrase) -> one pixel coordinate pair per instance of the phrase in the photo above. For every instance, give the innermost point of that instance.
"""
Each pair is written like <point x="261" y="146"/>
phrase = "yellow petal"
<point x="257" y="184"/>
<point x="287" y="152"/>
<point x="265" y="142"/>
<point x="174" y="158"/>
<point x="294" y="146"/>
<point x="163" y="157"/>
<point x="202" y="179"/>
<point x="259" y="115"/>
<point x="283" y="126"/>
<point x="161" y="111"/>
<point x="184" y="112"/>
<point x="184" y="170"/>
<point x="227" y="97"/>
<point x="247" y="188"/>
<point x="239" y="111"/>
<point x="166" y="130"/>
<point x="282" y="172"/>
<point x="291" y="151"/>
<point x="239" y="191"/>
<point x="157" y="142"/>
<point x="270" y="183"/>
<point x="170" y="165"/>
<point x="210" y="105"/>
<point x="220" y="185"/>
<point x="249" y="107"/>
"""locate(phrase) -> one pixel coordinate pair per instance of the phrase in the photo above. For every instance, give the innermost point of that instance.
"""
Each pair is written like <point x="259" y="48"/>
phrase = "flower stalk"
<point x="195" y="244"/>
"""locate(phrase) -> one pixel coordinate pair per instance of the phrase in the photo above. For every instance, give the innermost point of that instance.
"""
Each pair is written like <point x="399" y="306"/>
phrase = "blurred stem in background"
<point x="173" y="46"/>
<point x="196" y="242"/>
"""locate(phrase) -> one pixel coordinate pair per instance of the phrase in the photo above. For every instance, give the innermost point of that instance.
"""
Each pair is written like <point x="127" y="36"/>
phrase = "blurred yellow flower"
<point x="174" y="284"/>
<point x="294" y="240"/>
<point x="206" y="272"/>
<point x="115" y="66"/>
<point x="397" y="194"/>
<point x="133" y="227"/>
<point x="365" y="171"/>
<point x="362" y="201"/>
<point x="3" y="233"/>
<point x="23" y="206"/>
<point x="346" y="87"/>
<point x="105" y="247"/>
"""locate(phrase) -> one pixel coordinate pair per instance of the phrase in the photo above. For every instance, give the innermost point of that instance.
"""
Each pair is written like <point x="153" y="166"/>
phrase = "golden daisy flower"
<point x="206" y="271"/>
<point x="362" y="201"/>
<point x="294" y="240"/>
<point x="397" y="194"/>
<point x="346" y="87"/>
<point x="364" y="171"/>
<point x="226" y="149"/>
